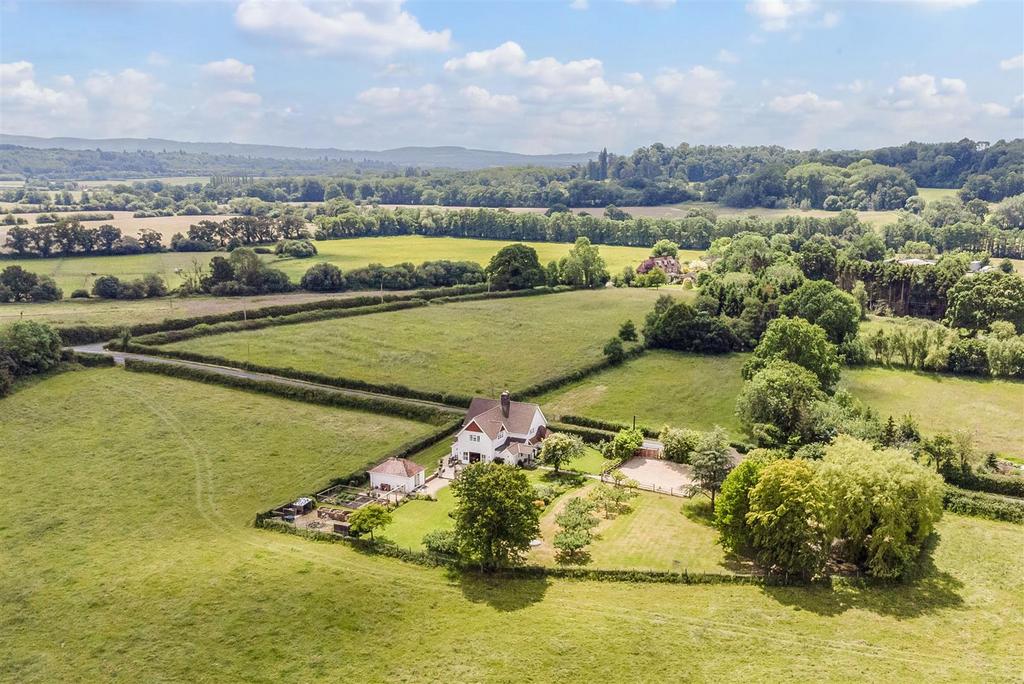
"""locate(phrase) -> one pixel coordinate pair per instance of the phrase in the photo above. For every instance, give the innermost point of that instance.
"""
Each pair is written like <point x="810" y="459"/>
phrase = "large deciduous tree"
<point x="776" y="405"/>
<point x="822" y="303"/>
<point x="495" y="519"/>
<point x="977" y="301"/>
<point x="797" y="341"/>
<point x="515" y="267"/>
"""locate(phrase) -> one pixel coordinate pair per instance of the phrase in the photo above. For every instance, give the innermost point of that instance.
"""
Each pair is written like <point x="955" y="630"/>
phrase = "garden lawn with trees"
<point x="479" y="347"/>
<point x="152" y="569"/>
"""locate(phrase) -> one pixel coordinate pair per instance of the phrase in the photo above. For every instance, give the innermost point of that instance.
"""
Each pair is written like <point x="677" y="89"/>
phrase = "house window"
<point x="474" y="438"/>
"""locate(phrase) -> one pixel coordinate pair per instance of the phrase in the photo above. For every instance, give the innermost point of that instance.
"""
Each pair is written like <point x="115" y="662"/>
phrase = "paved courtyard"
<point x="657" y="474"/>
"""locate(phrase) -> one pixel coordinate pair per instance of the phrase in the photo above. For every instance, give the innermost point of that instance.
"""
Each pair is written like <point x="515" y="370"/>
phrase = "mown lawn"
<point x="689" y="390"/>
<point x="479" y="347"/>
<point x="72" y="273"/>
<point x="129" y="554"/>
<point x="414" y="519"/>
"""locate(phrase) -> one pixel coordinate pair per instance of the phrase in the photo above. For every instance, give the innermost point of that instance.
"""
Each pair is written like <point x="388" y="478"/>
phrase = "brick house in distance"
<point x="668" y="264"/>
<point x="499" y="431"/>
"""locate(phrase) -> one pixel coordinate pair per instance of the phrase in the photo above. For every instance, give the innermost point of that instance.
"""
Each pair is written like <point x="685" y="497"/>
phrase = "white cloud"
<point x="803" y="103"/>
<point x="230" y="69"/>
<point x="510" y="59"/>
<point x="1012" y="63"/>
<point x="779" y="15"/>
<point x="925" y="91"/>
<point x="995" y="109"/>
<point x="352" y="27"/>
<point x="579" y="4"/>
<point x="481" y="99"/>
<point x="727" y="57"/>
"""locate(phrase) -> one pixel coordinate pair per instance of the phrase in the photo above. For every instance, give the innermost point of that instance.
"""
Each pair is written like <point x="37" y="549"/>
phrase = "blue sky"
<point x="540" y="76"/>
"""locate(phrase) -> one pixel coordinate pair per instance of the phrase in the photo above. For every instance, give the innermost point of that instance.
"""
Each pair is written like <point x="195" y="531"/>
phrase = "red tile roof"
<point x="398" y="466"/>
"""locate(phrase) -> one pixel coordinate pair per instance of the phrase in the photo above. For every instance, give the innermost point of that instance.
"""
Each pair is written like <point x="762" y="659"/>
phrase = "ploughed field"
<point x="76" y="272"/>
<point x="479" y="347"/>
<point x="129" y="554"/>
<point x="695" y="391"/>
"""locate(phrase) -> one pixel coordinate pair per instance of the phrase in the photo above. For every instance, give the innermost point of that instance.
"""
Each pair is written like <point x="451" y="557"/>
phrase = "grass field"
<point x="471" y="347"/>
<point x="129" y="312"/>
<point x="932" y="194"/>
<point x="991" y="410"/>
<point x="79" y="272"/>
<point x="167" y="226"/>
<point x="129" y="554"/>
<point x="684" y="390"/>
<point x="699" y="391"/>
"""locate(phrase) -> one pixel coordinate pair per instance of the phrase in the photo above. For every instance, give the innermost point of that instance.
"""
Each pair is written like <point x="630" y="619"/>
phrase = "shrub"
<point x="80" y="294"/>
<point x="614" y="351"/>
<point x="30" y="346"/>
<point x="968" y="357"/>
<point x="441" y="541"/>
<point x="107" y="287"/>
<point x="323" y="278"/>
<point x="45" y="290"/>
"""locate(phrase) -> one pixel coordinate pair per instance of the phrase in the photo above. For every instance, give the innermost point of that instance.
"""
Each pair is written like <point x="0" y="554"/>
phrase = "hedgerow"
<point x="607" y="425"/>
<point x="204" y="330"/>
<point x="401" y="391"/>
<point x="88" y="334"/>
<point x="982" y="505"/>
<point x="390" y="406"/>
<point x="984" y="482"/>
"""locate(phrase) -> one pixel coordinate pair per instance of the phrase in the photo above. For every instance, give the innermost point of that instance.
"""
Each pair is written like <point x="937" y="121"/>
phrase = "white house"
<point x="397" y="474"/>
<point x="500" y="431"/>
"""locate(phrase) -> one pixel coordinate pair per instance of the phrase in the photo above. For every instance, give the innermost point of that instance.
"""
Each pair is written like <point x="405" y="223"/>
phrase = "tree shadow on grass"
<point x="699" y="511"/>
<point x="505" y="593"/>
<point x="927" y="590"/>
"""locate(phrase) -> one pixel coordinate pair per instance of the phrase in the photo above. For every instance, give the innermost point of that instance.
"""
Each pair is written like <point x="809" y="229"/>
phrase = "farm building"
<point x="668" y="264"/>
<point x="397" y="474"/>
<point x="499" y="431"/>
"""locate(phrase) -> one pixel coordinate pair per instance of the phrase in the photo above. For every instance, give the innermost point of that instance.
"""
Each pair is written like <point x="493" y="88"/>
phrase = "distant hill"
<point x="433" y="157"/>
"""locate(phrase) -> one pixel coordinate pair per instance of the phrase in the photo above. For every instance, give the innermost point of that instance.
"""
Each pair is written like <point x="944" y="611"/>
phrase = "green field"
<point x="990" y="410"/>
<point x="79" y="272"/>
<point x="685" y="390"/>
<point x="130" y="312"/>
<point x="700" y="391"/>
<point x="129" y="554"/>
<point x="470" y="347"/>
<point x="932" y="194"/>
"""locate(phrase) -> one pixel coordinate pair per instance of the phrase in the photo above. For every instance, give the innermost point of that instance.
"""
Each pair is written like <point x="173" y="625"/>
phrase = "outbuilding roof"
<point x="398" y="466"/>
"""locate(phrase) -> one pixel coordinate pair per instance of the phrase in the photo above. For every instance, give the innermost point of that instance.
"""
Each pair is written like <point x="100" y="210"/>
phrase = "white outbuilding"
<point x="397" y="474"/>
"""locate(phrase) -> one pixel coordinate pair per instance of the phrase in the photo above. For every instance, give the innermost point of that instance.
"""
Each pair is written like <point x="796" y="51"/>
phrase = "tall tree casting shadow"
<point x="925" y="591"/>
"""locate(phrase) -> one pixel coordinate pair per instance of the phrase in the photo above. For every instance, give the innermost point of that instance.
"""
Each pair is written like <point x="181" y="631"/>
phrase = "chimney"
<point x="506" y="403"/>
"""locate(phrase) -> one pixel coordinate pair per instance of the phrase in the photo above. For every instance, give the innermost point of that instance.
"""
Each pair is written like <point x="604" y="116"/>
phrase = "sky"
<point x="537" y="76"/>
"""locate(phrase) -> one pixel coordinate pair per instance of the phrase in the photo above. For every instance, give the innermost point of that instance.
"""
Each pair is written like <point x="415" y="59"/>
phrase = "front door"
<point x="474" y="458"/>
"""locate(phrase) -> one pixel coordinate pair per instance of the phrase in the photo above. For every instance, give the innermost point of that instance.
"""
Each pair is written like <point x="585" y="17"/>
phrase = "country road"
<point x="119" y="357"/>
